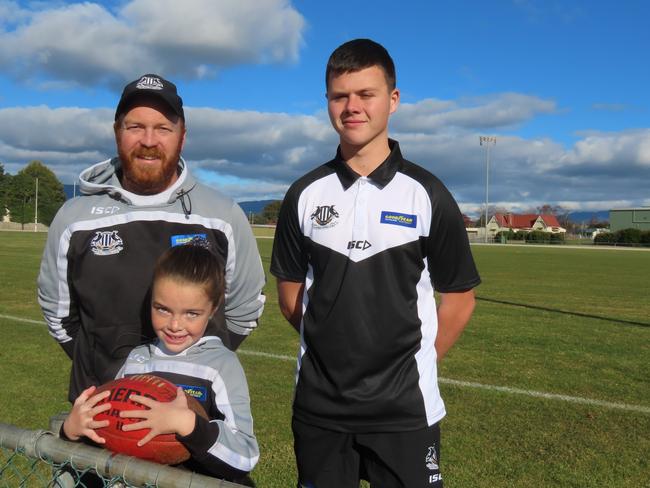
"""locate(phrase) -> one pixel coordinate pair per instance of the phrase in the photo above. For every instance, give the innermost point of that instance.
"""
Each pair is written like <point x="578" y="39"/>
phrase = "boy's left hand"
<point x="173" y="417"/>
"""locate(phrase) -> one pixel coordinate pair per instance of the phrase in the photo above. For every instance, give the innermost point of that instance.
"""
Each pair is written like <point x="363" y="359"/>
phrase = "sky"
<point x="563" y="86"/>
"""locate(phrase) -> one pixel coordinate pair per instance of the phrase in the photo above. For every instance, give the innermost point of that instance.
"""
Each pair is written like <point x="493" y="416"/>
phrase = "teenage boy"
<point x="362" y="243"/>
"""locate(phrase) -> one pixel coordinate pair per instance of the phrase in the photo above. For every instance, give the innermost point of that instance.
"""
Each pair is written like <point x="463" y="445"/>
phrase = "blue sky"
<point x="563" y="85"/>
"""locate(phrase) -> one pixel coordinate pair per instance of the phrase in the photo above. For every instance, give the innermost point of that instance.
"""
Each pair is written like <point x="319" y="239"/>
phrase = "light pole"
<point x="487" y="141"/>
<point x="36" y="208"/>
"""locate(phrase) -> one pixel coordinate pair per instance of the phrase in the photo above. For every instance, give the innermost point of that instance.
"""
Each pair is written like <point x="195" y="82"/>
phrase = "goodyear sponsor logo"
<point x="179" y="240"/>
<point x="396" y="218"/>
<point x="198" y="392"/>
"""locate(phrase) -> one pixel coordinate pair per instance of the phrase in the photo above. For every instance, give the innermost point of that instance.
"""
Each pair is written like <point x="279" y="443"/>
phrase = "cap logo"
<point x="149" y="83"/>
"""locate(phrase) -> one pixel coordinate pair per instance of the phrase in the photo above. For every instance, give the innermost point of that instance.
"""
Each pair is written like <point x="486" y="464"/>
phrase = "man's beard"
<point x="145" y="179"/>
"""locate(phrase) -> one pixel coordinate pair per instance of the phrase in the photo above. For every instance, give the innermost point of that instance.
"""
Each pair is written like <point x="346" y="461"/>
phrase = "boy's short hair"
<point x="360" y="54"/>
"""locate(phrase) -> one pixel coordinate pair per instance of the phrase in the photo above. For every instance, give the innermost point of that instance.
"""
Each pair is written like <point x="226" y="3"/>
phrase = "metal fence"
<point x="38" y="458"/>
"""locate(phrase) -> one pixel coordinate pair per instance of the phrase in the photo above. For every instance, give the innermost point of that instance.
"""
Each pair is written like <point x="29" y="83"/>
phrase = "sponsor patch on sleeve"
<point x="396" y="218"/>
<point x="179" y="240"/>
<point x="198" y="392"/>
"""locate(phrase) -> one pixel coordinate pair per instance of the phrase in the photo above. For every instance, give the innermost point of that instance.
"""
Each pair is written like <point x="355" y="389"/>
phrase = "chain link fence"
<point x="38" y="458"/>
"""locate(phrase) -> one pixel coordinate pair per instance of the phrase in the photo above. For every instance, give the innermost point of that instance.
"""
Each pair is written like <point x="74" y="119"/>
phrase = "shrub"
<point x="538" y="237"/>
<point x="604" y="238"/>
<point x="505" y="235"/>
<point x="625" y="237"/>
<point x="645" y="237"/>
<point x="557" y="238"/>
<point x="628" y="236"/>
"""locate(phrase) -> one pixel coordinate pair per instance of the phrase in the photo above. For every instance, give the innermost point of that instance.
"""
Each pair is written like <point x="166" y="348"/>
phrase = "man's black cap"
<point x="150" y="85"/>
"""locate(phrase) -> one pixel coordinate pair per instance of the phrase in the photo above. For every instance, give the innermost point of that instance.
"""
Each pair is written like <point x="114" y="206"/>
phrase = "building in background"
<point x="501" y="222"/>
<point x="629" y="218"/>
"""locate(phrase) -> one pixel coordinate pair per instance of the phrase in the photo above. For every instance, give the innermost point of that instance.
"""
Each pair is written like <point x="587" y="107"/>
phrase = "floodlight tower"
<point x="36" y="208"/>
<point x="487" y="141"/>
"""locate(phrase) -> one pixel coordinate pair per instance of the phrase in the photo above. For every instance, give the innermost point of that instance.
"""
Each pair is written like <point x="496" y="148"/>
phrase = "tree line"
<point x="18" y="194"/>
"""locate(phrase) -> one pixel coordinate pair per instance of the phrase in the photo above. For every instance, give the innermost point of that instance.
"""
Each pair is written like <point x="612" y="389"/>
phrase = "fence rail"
<point x="40" y="458"/>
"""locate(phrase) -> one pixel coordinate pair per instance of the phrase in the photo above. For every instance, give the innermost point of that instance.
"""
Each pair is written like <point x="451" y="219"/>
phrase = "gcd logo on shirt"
<point x="362" y="245"/>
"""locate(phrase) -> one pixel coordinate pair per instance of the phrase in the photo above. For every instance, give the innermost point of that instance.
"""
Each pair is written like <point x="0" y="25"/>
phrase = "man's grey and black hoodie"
<point x="95" y="279"/>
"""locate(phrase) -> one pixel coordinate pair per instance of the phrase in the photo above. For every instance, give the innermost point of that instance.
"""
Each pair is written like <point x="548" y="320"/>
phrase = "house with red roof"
<point x="501" y="222"/>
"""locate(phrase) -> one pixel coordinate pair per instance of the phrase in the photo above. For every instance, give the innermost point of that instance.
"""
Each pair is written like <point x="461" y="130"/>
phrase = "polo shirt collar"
<point x="381" y="176"/>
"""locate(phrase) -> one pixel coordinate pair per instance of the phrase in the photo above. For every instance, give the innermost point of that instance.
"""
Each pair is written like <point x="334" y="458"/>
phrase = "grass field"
<point x="549" y="389"/>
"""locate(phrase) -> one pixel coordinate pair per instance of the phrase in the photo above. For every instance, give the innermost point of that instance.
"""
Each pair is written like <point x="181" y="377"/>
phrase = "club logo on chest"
<point x="324" y="216"/>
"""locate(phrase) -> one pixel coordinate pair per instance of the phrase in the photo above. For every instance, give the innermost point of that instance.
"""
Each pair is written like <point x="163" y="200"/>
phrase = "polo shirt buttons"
<point x="361" y="210"/>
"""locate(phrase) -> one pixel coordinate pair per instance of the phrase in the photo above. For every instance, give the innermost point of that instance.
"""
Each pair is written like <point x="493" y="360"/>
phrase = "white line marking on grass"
<point x="565" y="246"/>
<point x="18" y="319"/>
<point x="464" y="384"/>
<point x="266" y="355"/>
<point x="502" y="389"/>
<point x="549" y="396"/>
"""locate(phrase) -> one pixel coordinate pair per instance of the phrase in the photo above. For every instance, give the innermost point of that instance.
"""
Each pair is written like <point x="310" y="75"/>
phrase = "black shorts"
<point x="328" y="459"/>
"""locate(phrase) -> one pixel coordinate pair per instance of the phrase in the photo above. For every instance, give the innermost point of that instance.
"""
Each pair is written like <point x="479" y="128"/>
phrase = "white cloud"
<point x="62" y="129"/>
<point x="84" y="43"/>
<point x="11" y="13"/>
<point x="630" y="150"/>
<point x="503" y="110"/>
<point x="256" y="155"/>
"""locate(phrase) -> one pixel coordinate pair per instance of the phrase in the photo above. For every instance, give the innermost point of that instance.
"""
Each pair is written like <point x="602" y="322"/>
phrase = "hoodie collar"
<point x="158" y="347"/>
<point x="102" y="177"/>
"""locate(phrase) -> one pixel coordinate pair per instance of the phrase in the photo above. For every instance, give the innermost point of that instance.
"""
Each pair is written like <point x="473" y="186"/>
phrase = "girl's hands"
<point x="173" y="417"/>
<point x="80" y="421"/>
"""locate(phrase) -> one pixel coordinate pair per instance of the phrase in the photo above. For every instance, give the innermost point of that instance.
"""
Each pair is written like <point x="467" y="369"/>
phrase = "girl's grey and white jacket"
<point x="95" y="277"/>
<point x="225" y="446"/>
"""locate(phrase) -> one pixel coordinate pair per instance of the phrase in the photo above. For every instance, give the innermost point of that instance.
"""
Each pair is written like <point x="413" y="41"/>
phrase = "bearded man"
<point x="94" y="281"/>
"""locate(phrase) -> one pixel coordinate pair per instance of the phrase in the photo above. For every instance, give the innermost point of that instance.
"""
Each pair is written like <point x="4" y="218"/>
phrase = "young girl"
<point x="188" y="287"/>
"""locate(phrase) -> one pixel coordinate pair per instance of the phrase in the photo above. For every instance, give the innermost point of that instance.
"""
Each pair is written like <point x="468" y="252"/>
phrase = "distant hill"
<point x="254" y="207"/>
<point x="585" y="217"/>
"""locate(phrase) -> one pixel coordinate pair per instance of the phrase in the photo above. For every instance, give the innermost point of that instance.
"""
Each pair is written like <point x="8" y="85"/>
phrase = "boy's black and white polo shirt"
<point x="371" y="250"/>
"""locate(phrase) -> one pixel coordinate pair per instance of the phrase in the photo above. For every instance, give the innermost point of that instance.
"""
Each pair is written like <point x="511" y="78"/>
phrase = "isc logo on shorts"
<point x="434" y="478"/>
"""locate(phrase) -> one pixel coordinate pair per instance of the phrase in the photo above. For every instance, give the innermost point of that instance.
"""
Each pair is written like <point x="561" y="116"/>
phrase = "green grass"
<point x="20" y="257"/>
<point x="603" y="282"/>
<point x="489" y="438"/>
<point x="264" y="231"/>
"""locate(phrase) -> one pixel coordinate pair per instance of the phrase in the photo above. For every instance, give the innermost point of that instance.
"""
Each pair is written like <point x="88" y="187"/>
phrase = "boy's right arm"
<point x="290" y="301"/>
<point x="289" y="260"/>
